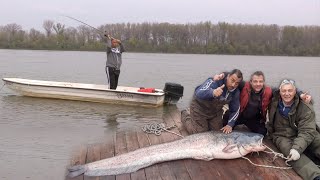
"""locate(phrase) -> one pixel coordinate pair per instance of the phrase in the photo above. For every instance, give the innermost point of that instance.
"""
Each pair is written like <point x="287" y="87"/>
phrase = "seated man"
<point x="206" y="106"/>
<point x="292" y="128"/>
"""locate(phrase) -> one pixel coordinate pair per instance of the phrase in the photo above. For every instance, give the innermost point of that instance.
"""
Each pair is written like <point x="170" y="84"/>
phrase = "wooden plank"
<point x="121" y="148"/>
<point x="93" y="154"/>
<point x="78" y="158"/>
<point x="133" y="144"/>
<point x="195" y="168"/>
<point x="176" y="117"/>
<point x="107" y="151"/>
<point x="151" y="172"/>
<point x="178" y="167"/>
<point x="164" y="169"/>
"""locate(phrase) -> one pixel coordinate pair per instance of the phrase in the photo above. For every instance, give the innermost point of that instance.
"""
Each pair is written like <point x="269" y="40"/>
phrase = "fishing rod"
<point x="86" y="24"/>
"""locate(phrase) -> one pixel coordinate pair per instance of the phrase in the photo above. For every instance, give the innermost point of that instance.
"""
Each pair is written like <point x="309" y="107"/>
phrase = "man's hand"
<point x="293" y="155"/>
<point x="305" y="97"/>
<point x="218" y="77"/>
<point x="108" y="36"/>
<point x="217" y="92"/>
<point x="226" y="129"/>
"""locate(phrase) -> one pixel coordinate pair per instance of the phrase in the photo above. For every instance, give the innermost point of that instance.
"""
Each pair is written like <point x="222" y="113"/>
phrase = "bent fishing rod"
<point x="87" y="25"/>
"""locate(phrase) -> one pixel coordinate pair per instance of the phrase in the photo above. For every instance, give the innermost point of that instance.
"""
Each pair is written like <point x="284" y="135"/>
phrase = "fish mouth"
<point x="261" y="145"/>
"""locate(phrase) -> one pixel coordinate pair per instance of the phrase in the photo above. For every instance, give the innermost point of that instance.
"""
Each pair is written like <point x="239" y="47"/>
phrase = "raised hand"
<point x="305" y="97"/>
<point x="218" y="77"/>
<point x="217" y="92"/>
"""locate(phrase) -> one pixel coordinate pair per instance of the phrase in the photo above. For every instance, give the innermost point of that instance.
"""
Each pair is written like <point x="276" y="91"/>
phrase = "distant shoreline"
<point x="196" y="38"/>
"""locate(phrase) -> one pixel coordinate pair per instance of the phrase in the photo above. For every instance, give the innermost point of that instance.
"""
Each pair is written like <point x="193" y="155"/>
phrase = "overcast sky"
<point x="32" y="13"/>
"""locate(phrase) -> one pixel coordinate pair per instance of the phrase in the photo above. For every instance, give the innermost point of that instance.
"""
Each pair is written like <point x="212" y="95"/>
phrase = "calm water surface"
<point x="37" y="135"/>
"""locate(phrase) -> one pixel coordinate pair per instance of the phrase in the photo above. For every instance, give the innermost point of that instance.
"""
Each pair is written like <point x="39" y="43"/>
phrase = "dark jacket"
<point x="302" y="124"/>
<point x="204" y="93"/>
<point x="265" y="99"/>
<point x="114" y="56"/>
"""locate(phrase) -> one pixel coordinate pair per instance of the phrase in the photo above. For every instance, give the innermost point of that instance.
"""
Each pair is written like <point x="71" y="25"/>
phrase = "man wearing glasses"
<point x="292" y="128"/>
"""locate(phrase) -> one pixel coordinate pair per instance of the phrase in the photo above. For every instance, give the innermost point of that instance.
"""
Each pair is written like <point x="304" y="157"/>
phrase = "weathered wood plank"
<point x="93" y="154"/>
<point x="78" y="158"/>
<point x="133" y="144"/>
<point x="152" y="172"/>
<point x="178" y="167"/>
<point x="164" y="169"/>
<point x="121" y="148"/>
<point x="195" y="168"/>
<point x="176" y="116"/>
<point x="107" y="151"/>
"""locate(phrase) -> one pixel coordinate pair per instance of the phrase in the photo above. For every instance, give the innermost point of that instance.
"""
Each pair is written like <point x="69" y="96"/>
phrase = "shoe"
<point x="185" y="112"/>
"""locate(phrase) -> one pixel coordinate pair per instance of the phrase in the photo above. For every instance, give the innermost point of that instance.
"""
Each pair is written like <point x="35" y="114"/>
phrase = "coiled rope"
<point x="158" y="128"/>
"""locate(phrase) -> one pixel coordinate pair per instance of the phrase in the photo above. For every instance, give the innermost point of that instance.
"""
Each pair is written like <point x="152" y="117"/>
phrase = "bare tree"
<point x="59" y="28"/>
<point x="48" y="25"/>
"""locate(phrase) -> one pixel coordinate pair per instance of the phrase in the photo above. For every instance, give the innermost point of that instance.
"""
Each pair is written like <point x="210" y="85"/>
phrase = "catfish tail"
<point x="76" y="170"/>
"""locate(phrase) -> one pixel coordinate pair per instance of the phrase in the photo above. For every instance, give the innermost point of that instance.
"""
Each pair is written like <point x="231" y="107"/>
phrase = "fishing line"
<point x="2" y="86"/>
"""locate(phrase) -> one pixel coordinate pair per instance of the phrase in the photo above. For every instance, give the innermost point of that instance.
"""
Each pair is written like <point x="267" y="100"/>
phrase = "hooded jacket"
<point x="114" y="55"/>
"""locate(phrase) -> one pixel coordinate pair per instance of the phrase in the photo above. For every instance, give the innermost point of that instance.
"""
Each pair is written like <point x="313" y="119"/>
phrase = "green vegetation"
<point x="198" y="38"/>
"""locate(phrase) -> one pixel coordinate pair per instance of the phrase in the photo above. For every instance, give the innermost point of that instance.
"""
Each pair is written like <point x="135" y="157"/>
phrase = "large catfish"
<point x="204" y="146"/>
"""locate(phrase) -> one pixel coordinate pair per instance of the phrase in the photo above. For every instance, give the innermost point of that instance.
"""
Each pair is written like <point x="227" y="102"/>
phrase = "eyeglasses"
<point x="287" y="81"/>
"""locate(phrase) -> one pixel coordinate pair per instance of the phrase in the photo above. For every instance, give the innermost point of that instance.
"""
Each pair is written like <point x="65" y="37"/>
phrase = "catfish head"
<point x="250" y="142"/>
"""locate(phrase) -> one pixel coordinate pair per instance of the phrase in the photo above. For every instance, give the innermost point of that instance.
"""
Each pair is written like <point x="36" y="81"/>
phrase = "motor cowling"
<point x="173" y="92"/>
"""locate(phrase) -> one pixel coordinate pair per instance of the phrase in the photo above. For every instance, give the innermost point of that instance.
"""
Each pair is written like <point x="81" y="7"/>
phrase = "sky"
<point x="32" y="13"/>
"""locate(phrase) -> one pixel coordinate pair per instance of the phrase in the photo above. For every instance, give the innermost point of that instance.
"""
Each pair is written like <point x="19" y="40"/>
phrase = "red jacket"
<point x="265" y="101"/>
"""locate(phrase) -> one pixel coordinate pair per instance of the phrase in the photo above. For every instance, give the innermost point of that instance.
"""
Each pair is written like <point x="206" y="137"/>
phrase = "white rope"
<point x="157" y="128"/>
<point x="266" y="166"/>
<point x="276" y="154"/>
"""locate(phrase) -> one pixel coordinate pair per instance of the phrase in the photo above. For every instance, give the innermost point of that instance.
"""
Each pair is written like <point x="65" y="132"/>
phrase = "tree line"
<point x="195" y="38"/>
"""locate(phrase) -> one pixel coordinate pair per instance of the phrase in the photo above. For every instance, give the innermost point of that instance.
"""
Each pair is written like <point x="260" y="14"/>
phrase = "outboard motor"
<point x="173" y="92"/>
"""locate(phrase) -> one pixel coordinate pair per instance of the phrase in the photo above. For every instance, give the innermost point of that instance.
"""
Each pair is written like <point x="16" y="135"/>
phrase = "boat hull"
<point x="84" y="92"/>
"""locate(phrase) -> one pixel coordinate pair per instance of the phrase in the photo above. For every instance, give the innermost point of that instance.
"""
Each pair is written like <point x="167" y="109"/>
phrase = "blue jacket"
<point x="205" y="92"/>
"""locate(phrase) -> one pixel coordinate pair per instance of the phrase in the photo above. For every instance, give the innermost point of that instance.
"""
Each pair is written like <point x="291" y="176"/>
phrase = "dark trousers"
<point x="304" y="166"/>
<point x="254" y="125"/>
<point x="112" y="77"/>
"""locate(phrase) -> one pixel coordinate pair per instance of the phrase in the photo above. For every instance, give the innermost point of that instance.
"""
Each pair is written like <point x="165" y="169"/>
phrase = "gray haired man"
<point x="293" y="129"/>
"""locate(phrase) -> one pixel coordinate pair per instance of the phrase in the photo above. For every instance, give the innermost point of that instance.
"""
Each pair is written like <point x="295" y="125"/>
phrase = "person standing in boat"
<point x="114" y="60"/>
<point x="292" y="128"/>
<point x="205" y="112"/>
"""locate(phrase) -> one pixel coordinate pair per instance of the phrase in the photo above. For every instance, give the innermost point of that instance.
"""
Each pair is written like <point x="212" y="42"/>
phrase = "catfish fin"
<point x="230" y="148"/>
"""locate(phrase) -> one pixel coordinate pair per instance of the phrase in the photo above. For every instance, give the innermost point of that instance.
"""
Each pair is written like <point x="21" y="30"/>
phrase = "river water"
<point x="37" y="136"/>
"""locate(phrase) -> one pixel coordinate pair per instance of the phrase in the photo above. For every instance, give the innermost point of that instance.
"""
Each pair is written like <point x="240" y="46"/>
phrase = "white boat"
<point x="95" y="92"/>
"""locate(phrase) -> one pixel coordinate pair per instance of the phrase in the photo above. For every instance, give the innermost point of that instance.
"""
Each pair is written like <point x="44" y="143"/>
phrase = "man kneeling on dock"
<point x="206" y="106"/>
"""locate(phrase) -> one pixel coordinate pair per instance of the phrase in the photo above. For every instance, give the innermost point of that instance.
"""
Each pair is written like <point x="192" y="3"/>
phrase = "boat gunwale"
<point x="70" y="87"/>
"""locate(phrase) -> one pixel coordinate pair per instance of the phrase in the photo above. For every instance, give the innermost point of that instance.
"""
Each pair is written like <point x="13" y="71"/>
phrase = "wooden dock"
<point x="187" y="169"/>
